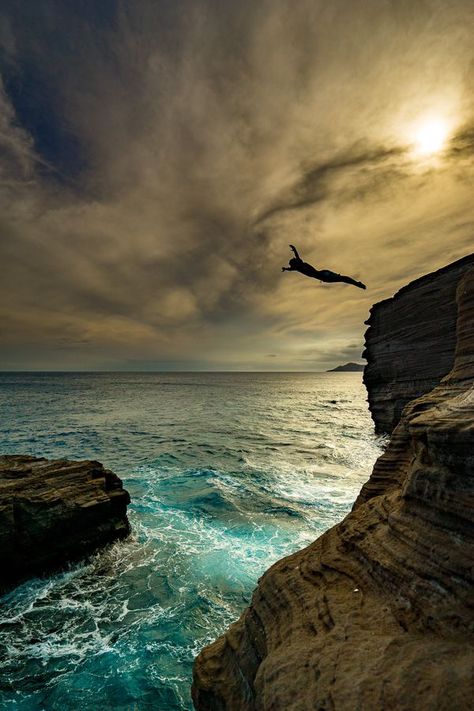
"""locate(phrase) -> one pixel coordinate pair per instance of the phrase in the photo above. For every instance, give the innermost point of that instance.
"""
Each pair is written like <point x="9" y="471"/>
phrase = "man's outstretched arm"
<point x="295" y="251"/>
<point x="287" y="269"/>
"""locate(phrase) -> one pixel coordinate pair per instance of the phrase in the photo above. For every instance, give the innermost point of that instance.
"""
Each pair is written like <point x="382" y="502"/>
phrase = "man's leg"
<point x="350" y="280"/>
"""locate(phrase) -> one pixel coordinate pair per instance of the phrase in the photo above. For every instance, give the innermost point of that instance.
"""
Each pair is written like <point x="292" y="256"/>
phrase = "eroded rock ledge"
<point x="410" y="342"/>
<point x="378" y="613"/>
<point x="54" y="512"/>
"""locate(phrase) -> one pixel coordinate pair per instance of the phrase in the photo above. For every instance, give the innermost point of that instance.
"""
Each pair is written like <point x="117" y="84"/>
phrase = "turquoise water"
<point x="227" y="472"/>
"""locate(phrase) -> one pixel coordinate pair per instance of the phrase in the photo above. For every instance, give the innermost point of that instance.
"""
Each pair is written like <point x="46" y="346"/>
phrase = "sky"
<point x="158" y="156"/>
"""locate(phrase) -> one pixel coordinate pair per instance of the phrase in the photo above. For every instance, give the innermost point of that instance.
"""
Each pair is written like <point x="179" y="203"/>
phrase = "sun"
<point x="430" y="136"/>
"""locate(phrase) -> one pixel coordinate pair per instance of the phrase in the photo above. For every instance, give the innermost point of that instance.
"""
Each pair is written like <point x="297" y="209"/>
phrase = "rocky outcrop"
<point x="378" y="613"/>
<point x="410" y="342"/>
<point x="54" y="512"/>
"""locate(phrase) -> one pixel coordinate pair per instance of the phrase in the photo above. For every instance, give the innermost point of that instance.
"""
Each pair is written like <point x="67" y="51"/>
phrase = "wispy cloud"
<point x="157" y="159"/>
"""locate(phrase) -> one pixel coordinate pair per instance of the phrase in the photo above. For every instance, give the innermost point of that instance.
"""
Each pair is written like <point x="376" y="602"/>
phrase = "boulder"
<point x="53" y="512"/>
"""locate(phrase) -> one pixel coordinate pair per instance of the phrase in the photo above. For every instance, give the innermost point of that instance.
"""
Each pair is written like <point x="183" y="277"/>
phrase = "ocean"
<point x="227" y="472"/>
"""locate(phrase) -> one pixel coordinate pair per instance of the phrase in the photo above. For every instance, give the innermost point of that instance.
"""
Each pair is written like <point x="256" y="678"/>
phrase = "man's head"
<point x="294" y="262"/>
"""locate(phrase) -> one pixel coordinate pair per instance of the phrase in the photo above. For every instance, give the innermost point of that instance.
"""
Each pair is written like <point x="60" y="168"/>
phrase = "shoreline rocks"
<point x="410" y="342"/>
<point x="378" y="613"/>
<point x="53" y="512"/>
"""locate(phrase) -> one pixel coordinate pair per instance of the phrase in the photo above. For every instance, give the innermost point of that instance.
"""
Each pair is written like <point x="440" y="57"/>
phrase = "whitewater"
<point x="227" y="473"/>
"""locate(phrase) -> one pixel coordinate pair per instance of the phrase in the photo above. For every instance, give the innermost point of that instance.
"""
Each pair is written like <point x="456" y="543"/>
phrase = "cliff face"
<point x="378" y="613"/>
<point x="53" y="512"/>
<point x="410" y="342"/>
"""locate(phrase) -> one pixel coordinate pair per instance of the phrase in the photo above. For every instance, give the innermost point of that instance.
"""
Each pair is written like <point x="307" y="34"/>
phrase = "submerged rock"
<point x="378" y="613"/>
<point x="410" y="342"/>
<point x="55" y="511"/>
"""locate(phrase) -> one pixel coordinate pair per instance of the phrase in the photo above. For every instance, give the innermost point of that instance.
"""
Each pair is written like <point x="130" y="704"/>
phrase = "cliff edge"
<point x="410" y="342"/>
<point x="53" y="512"/>
<point x="378" y="613"/>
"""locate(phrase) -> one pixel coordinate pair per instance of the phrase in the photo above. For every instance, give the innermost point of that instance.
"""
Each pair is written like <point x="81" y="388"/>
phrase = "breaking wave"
<point x="227" y="474"/>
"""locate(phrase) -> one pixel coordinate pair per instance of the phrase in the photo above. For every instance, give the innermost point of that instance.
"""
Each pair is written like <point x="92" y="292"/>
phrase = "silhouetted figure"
<point x="297" y="265"/>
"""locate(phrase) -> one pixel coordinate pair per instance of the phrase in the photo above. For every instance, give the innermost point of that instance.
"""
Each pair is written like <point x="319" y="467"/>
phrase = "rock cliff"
<point x="378" y="613"/>
<point x="410" y="342"/>
<point x="53" y="512"/>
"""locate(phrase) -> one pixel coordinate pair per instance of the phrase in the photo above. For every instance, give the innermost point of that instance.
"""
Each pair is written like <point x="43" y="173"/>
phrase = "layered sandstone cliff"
<point x="54" y="512"/>
<point x="410" y="342"/>
<point x="378" y="613"/>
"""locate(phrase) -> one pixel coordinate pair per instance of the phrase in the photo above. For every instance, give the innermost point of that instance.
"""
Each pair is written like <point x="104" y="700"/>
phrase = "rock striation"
<point x="410" y="342"/>
<point x="54" y="512"/>
<point x="378" y="613"/>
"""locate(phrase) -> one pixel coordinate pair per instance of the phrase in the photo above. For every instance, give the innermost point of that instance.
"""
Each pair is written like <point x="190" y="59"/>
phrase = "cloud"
<point x="157" y="158"/>
<point x="314" y="184"/>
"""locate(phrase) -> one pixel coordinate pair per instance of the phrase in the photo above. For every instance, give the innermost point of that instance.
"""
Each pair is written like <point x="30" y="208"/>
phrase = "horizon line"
<point x="9" y="372"/>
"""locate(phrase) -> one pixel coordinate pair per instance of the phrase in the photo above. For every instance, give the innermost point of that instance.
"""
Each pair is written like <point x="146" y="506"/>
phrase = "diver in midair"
<point x="297" y="265"/>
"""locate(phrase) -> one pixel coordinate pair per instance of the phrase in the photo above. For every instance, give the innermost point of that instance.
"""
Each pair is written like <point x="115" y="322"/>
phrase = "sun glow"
<point x="430" y="136"/>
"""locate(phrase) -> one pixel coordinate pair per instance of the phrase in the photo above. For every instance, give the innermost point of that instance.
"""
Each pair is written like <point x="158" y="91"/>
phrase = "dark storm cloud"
<point x="157" y="158"/>
<point x="314" y="184"/>
<point x="462" y="144"/>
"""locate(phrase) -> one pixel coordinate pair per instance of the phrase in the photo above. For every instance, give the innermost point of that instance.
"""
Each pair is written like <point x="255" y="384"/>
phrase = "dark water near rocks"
<point x="227" y="471"/>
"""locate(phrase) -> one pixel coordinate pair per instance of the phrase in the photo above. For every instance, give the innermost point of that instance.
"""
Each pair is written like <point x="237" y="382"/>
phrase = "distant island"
<point x="347" y="368"/>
